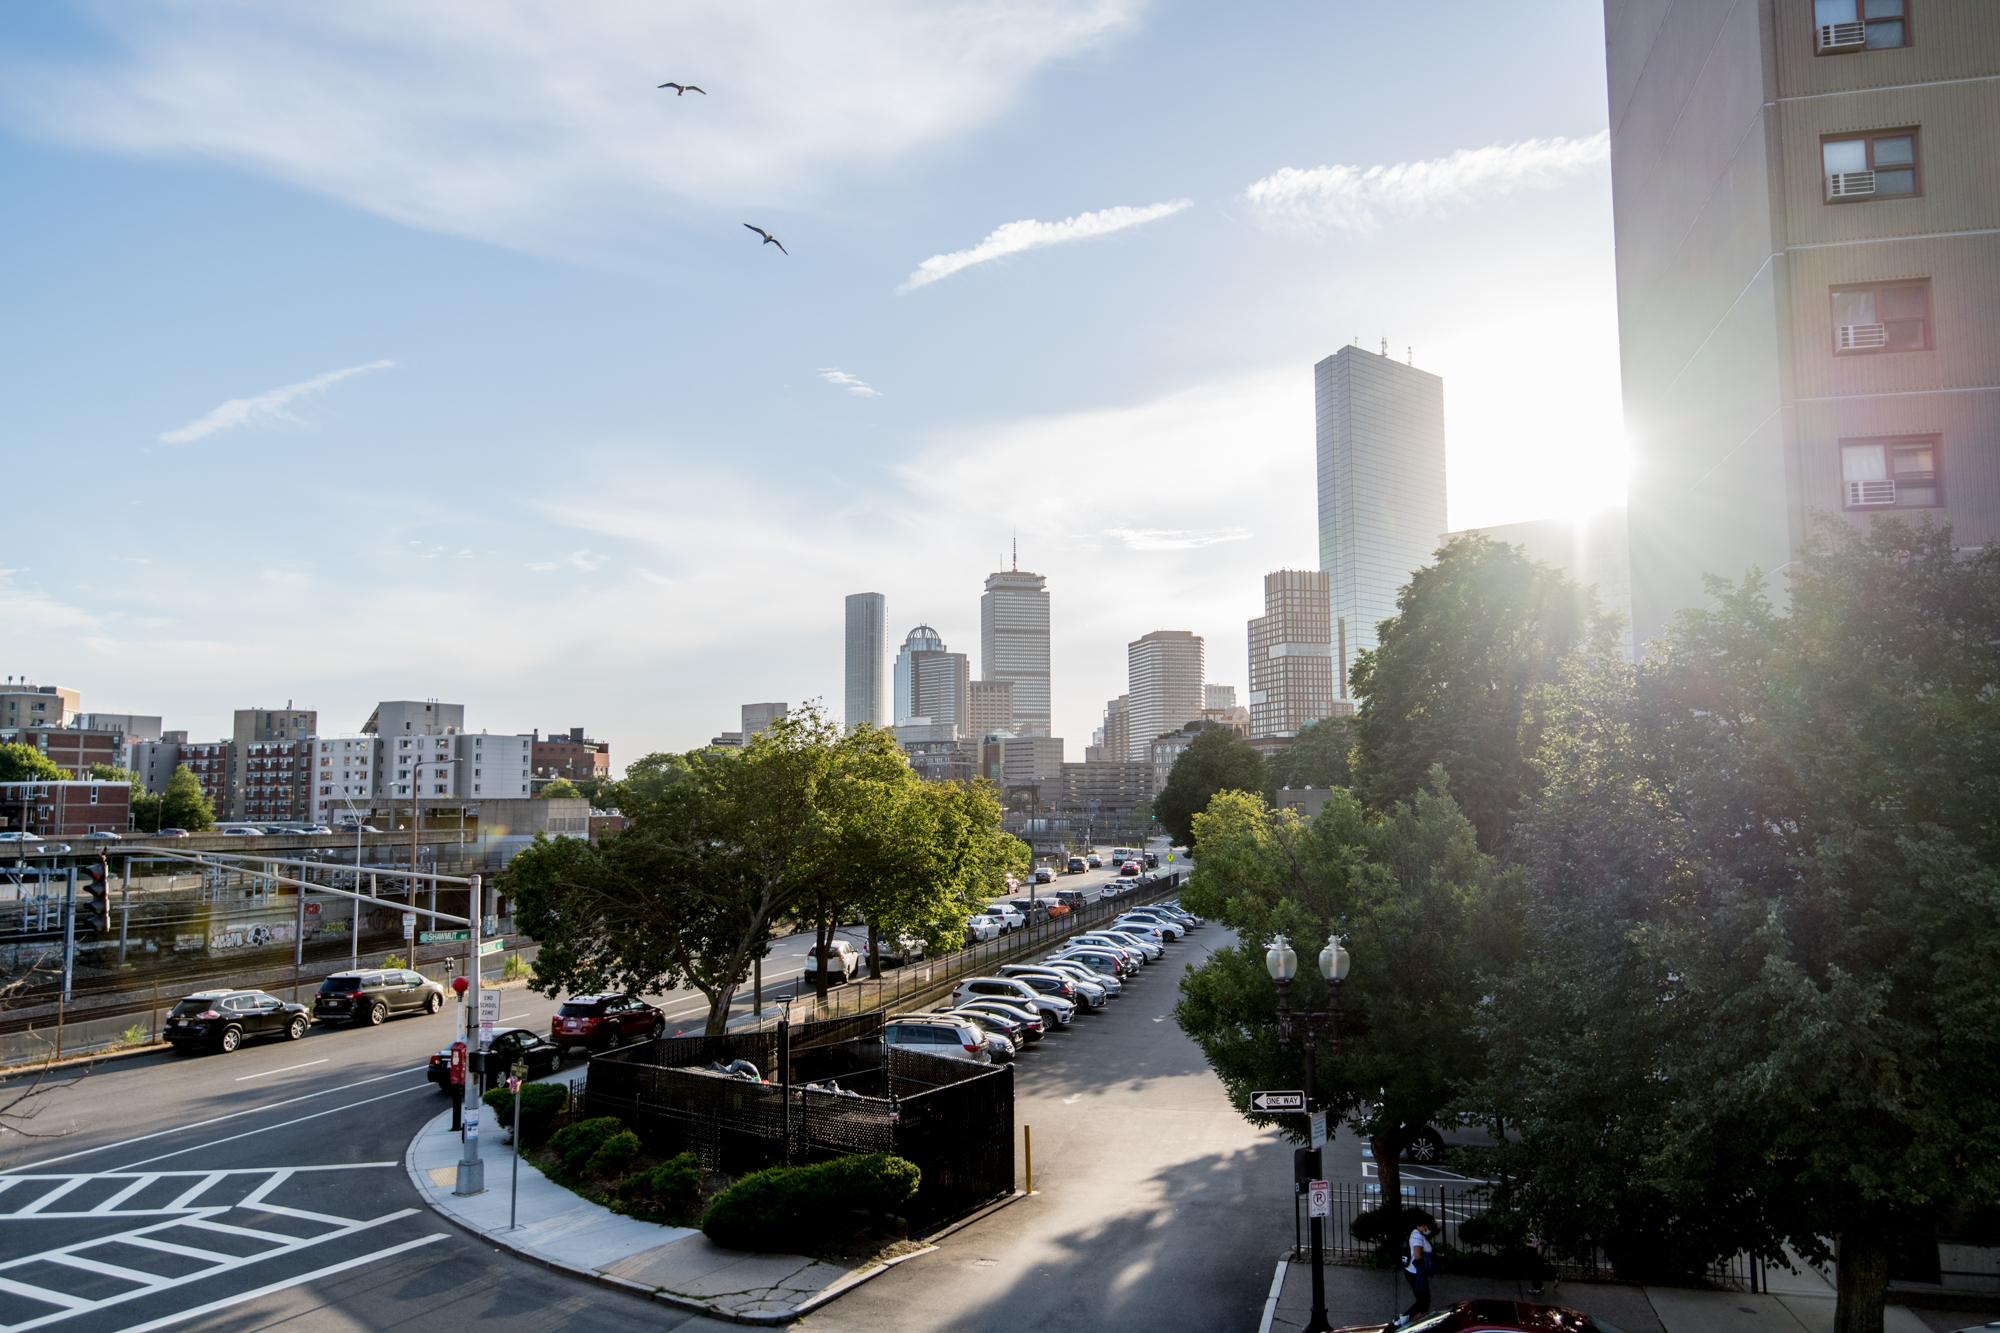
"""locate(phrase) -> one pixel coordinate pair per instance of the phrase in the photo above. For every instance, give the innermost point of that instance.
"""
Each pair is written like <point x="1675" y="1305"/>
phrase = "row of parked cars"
<point x="992" y="1019"/>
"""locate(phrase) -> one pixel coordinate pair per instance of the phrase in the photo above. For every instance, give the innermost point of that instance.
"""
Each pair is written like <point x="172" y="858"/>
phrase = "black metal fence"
<point x="821" y="1096"/>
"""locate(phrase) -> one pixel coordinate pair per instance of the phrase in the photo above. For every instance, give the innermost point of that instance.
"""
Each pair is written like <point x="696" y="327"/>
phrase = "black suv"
<point x="222" y="1020"/>
<point x="373" y="996"/>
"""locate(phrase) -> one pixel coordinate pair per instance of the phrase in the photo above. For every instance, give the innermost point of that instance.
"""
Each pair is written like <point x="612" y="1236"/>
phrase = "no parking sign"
<point x="1319" y="1199"/>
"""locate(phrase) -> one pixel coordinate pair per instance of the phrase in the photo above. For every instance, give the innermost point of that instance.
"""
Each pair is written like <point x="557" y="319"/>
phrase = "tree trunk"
<point x="823" y="936"/>
<point x="1861" y="1277"/>
<point x="1388" y="1149"/>
<point x="718" y="1012"/>
<point x="874" y="951"/>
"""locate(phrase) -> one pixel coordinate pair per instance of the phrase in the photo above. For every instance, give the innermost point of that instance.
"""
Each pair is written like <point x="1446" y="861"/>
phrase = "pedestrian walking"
<point x="1418" y="1261"/>
<point x="1540" y="1270"/>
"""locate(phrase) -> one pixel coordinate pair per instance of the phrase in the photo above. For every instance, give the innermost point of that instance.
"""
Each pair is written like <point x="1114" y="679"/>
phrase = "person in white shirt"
<point x="1417" y="1264"/>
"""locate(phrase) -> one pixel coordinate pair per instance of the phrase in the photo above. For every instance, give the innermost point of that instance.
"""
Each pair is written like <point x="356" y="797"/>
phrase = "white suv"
<point x="937" y="1035"/>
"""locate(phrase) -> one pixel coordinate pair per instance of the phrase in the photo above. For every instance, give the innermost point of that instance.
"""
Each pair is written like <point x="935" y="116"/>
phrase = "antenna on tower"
<point x="1016" y="563"/>
<point x="1385" y="344"/>
<point x="1412" y="355"/>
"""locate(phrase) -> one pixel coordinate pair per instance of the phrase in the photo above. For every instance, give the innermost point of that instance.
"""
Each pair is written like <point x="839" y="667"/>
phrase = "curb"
<point x="94" y="1057"/>
<point x="1271" y="1301"/>
<point x="500" y="1241"/>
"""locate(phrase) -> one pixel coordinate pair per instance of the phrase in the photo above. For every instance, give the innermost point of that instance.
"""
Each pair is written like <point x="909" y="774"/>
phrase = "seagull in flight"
<point x="769" y="239"/>
<point x="683" y="89"/>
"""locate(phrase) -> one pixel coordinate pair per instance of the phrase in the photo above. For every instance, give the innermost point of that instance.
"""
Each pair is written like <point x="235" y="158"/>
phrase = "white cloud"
<point x="1028" y="234"/>
<point x="1358" y="200"/>
<point x="263" y="408"/>
<point x="859" y="387"/>
<point x="1176" y="539"/>
<point x="522" y="123"/>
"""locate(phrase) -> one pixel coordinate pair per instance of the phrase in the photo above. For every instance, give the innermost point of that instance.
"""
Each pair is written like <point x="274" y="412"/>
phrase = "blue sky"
<point x="391" y="350"/>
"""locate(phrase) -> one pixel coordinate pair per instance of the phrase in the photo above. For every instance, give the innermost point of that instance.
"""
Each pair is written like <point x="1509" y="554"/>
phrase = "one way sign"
<point x="1277" y="1101"/>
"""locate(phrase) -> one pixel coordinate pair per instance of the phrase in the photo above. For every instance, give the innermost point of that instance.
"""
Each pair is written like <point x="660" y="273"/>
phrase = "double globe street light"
<point x="1282" y="962"/>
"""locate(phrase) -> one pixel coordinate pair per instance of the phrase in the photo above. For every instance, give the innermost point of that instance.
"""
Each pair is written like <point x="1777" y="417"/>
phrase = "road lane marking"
<point x="276" y="1287"/>
<point x="286" y="1070"/>
<point x="338" y="1110"/>
<point x="213" y="1120"/>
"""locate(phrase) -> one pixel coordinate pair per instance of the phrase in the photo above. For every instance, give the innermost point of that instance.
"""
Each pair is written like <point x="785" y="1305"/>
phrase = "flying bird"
<point x="769" y="239"/>
<point x="683" y="89"/>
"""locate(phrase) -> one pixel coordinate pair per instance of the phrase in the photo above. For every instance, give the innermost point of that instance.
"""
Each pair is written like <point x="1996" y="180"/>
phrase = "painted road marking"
<point x="274" y="1287"/>
<point x="286" y="1070"/>
<point x="285" y="1124"/>
<point x="213" y="1120"/>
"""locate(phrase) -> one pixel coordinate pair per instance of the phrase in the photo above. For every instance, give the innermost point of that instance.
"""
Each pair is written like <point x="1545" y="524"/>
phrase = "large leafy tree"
<point x="1428" y="919"/>
<point x="724" y="846"/>
<point x="1317" y="757"/>
<point x="1455" y="674"/>
<point x="183" y="806"/>
<point x="1760" y="1005"/>
<point x="1215" y="760"/>
<point x="24" y="763"/>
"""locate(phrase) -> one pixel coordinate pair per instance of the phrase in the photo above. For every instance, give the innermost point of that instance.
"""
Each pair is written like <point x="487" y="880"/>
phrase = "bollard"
<point x="1028" y="1142"/>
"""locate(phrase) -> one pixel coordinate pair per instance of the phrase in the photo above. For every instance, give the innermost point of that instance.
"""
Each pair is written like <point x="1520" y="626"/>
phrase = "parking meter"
<point x="1305" y="1168"/>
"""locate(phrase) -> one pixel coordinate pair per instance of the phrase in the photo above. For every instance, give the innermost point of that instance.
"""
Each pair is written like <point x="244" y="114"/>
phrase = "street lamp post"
<point x="1283" y="965"/>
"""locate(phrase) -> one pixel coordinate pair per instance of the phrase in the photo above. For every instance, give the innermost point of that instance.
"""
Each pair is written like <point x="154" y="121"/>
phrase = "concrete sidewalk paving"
<point x="673" y="1265"/>
<point x="1796" y="1303"/>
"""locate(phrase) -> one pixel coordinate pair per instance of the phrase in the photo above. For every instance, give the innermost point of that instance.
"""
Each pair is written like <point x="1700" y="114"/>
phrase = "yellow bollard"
<point x="1028" y="1141"/>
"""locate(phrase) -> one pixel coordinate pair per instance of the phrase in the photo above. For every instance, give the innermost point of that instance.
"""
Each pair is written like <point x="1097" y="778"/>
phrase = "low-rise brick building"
<point x="65" y="809"/>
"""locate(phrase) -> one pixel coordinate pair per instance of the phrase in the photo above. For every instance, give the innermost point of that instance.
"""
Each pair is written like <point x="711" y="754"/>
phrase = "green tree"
<point x="1215" y="760"/>
<point x="24" y="763"/>
<point x="1760" y="989"/>
<point x="1318" y="756"/>
<point x="1455" y="674"/>
<point x="183" y="806"/>
<point x="559" y="789"/>
<point x="1428" y="919"/>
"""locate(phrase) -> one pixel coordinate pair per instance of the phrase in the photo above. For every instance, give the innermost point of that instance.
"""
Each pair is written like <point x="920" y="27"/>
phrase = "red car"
<point x="599" y="1022"/>
<point x="1495" y="1317"/>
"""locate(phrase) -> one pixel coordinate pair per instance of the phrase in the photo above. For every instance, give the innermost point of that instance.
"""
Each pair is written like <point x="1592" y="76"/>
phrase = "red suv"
<point x="599" y="1022"/>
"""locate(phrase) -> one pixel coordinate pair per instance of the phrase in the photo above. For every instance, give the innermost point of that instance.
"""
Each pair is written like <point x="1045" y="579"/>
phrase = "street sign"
<point x="489" y="1014"/>
<point x="444" y="936"/>
<point x="472" y="1121"/>
<point x="1318" y="1119"/>
<point x="1277" y="1101"/>
<point x="491" y="946"/>
<point x="409" y="925"/>
<point x="1319" y="1199"/>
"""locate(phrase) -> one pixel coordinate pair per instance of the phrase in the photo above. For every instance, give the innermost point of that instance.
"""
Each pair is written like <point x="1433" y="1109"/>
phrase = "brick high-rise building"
<point x="1291" y="655"/>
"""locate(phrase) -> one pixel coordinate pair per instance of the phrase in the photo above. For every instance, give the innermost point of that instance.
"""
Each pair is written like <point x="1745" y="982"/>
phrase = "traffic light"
<point x="1305" y="1168"/>
<point x="93" y="909"/>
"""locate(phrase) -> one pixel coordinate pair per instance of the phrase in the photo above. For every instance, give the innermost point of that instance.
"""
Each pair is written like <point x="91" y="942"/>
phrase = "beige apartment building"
<point x="1808" y="241"/>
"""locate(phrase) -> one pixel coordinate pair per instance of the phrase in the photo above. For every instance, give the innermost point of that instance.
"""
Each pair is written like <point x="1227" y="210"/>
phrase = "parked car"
<point x="1154" y="949"/>
<point x="1032" y="1023"/>
<point x="1105" y="978"/>
<point x="1008" y="988"/>
<point x="18" y="836"/>
<point x="996" y="1018"/>
<point x="222" y="1020"/>
<point x="1156" y="931"/>
<point x="171" y="833"/>
<point x="1000" y="1044"/>
<point x="1147" y="949"/>
<point x="1044" y="875"/>
<point x="102" y="836"/>
<point x="979" y="928"/>
<point x="1097" y="962"/>
<point x="1009" y="918"/>
<point x="1496" y="1317"/>
<point x="1076" y="865"/>
<point x="936" y="1034"/>
<point x="373" y="995"/>
<point x="1055" y="981"/>
<point x="1032" y="910"/>
<point x="238" y="831"/>
<point x="510" y="1045"/>
<point x="1123" y="962"/>
<point x="1170" y="929"/>
<point x="599" y="1022"/>
<point x="844" y="963"/>
<point x="900" y="950"/>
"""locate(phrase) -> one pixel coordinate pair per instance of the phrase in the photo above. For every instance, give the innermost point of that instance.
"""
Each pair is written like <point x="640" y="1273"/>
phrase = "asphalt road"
<point x="266" y="1189"/>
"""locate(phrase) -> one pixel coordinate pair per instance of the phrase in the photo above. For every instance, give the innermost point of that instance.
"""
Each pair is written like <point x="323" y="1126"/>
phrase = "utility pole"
<point x="69" y="932"/>
<point x="472" y="1171"/>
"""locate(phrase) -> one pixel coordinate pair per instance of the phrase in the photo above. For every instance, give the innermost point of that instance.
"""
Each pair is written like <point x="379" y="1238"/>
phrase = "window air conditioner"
<point x="1859" y="337"/>
<point x="1871" y="493"/>
<point x="1842" y="36"/>
<point x="1849" y="184"/>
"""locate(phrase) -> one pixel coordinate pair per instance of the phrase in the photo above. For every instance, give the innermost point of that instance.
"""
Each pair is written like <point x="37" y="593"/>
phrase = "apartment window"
<point x="1859" y="167"/>
<point x="1895" y="473"/>
<point x="1842" y="26"/>
<point x="1882" y="317"/>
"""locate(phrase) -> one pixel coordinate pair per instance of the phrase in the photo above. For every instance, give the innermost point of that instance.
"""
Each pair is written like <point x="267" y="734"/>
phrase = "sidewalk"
<point x="1796" y="1303"/>
<point x="672" y="1265"/>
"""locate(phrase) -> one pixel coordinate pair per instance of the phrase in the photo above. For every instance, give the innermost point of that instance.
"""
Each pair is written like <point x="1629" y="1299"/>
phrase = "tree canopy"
<point x="1455" y="674"/>
<point x="182" y="805"/>
<point x="25" y="763"/>
<point x="1317" y="757"/>
<point x="559" y="789"/>
<point x="1216" y="760"/>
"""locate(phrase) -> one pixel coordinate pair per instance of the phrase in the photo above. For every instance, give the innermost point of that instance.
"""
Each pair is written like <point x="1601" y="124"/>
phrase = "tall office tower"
<point x="1808" y="237"/>
<point x="990" y="706"/>
<point x="1380" y="425"/>
<point x="1218" y="698"/>
<point x="922" y="639"/>
<point x="1291" y="654"/>
<point x="1014" y="644"/>
<point x="759" y="717"/>
<point x="941" y="688"/>
<point x="865" y="644"/>
<point x="1165" y="670"/>
<point x="1118" y="729"/>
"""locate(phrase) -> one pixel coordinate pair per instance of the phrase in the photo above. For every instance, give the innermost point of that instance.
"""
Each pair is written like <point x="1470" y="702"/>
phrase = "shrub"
<point x="615" y="1156"/>
<point x="394" y="960"/>
<point x="578" y="1143"/>
<point x="785" y="1207"/>
<point x="1500" y="1231"/>
<point x="541" y="1103"/>
<point x="671" y="1189"/>
<point x="1372" y="1227"/>
<point x="515" y="968"/>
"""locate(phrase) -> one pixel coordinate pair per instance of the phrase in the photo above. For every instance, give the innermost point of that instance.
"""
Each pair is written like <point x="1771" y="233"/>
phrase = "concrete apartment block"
<point x="759" y="717"/>
<point x="1807" y="222"/>
<point x="990" y="704"/>
<point x="1380" y="428"/>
